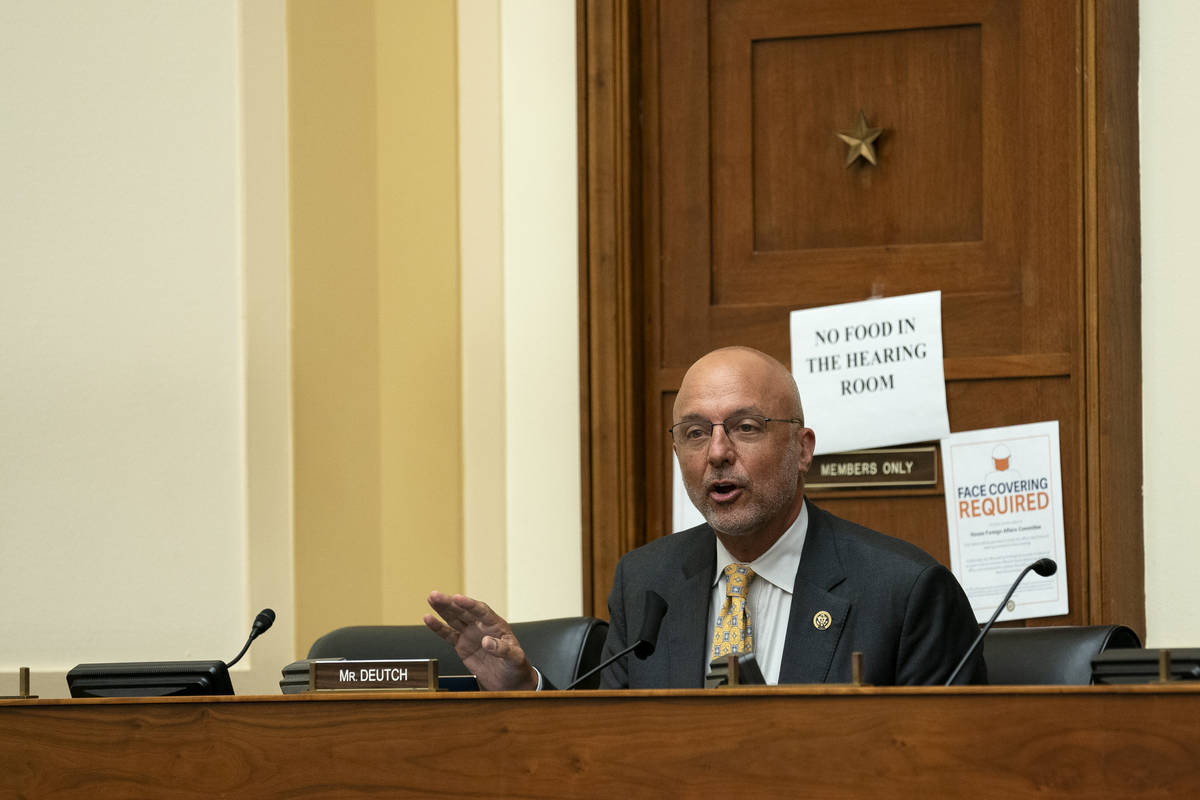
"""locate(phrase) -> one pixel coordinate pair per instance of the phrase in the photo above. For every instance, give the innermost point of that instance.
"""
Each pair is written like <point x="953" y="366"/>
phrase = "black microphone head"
<point x="1045" y="567"/>
<point x="264" y="620"/>
<point x="656" y="609"/>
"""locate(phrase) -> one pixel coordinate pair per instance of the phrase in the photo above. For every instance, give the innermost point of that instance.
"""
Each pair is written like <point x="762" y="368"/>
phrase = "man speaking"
<point x="769" y="573"/>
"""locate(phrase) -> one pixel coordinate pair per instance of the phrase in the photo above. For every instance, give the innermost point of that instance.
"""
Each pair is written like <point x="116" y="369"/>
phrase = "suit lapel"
<point x="809" y="646"/>
<point x="687" y="615"/>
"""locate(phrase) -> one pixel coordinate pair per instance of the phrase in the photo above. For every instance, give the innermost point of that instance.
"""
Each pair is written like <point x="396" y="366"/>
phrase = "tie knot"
<point x="733" y="633"/>
<point x="737" y="579"/>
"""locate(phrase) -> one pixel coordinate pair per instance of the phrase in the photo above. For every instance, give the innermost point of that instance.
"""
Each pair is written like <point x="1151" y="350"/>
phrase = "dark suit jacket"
<point x="887" y="598"/>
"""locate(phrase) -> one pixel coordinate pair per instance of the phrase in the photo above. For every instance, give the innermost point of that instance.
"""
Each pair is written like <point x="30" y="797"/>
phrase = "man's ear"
<point x="808" y="441"/>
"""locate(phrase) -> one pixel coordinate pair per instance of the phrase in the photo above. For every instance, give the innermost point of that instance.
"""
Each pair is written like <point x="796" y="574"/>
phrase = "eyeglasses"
<point x="695" y="434"/>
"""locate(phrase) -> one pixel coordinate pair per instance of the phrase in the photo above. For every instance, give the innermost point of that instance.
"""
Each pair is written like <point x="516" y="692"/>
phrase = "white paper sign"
<point x="870" y="373"/>
<point x="684" y="514"/>
<point x="1004" y="510"/>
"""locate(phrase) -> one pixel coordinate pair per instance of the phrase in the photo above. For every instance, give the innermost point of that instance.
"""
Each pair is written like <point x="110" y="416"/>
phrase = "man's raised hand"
<point x="483" y="640"/>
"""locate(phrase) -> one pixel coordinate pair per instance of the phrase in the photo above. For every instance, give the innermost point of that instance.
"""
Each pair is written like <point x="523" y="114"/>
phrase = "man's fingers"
<point x="462" y="612"/>
<point x="478" y="611"/>
<point x="456" y="610"/>
<point x="440" y="628"/>
<point x="471" y="611"/>
<point x="442" y="604"/>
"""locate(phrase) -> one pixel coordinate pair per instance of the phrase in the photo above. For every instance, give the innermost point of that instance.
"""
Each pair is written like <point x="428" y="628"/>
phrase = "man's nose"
<point x="720" y="446"/>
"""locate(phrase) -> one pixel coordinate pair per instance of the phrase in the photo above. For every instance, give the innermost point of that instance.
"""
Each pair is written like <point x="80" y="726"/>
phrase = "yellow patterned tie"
<point x="733" y="633"/>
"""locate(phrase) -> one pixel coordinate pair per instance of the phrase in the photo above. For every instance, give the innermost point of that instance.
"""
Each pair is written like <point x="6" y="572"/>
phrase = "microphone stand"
<point x="1044" y="567"/>
<point x="656" y="609"/>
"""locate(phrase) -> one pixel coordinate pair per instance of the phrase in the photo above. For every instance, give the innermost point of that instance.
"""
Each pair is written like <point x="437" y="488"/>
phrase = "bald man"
<point x="816" y="588"/>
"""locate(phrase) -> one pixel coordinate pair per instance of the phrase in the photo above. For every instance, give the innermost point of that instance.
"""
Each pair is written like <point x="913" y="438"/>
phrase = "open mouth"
<point x="723" y="491"/>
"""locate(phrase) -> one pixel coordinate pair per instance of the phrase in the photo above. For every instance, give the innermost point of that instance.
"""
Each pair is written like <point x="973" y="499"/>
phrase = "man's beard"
<point x="761" y="501"/>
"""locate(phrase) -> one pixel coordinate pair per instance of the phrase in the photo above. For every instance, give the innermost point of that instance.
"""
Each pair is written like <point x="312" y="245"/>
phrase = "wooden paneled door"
<point x="717" y="199"/>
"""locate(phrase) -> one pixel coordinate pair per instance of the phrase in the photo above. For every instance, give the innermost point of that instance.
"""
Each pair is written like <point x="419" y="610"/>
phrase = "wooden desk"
<point x="822" y="742"/>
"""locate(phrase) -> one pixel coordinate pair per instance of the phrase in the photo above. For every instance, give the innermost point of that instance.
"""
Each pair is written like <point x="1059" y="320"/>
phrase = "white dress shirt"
<point x="770" y="597"/>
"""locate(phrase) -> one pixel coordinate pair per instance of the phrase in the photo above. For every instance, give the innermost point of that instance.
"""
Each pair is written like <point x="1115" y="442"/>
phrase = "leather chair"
<point x="562" y="649"/>
<point x="1054" y="655"/>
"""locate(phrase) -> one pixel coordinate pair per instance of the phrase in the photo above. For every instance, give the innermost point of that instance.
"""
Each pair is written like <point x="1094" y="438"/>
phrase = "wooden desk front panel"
<point x="829" y="743"/>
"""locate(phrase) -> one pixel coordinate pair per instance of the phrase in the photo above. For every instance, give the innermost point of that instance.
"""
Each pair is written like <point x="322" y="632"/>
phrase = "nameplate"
<point x="409" y="674"/>
<point x="872" y="469"/>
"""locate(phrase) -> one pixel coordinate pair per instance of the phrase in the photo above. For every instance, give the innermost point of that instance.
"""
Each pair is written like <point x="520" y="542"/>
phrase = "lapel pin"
<point x="822" y="620"/>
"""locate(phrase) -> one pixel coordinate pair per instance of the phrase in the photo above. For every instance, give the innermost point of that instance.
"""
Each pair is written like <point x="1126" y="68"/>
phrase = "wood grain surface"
<point x="828" y="742"/>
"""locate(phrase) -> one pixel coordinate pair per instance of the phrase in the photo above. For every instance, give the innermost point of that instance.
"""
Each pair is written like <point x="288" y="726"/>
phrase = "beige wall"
<point x="376" y="326"/>
<point x="266" y="310"/>
<point x="1170" y="103"/>
<point x="447" y="382"/>
<point x="519" y="246"/>
<point x="139" y="517"/>
<point x="541" y="308"/>
<point x="335" y="325"/>
<point x="481" y="258"/>
<point x="420" y="372"/>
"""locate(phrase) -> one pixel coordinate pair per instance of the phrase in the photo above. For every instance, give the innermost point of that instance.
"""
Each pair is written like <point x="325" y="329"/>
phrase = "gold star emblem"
<point x="860" y="140"/>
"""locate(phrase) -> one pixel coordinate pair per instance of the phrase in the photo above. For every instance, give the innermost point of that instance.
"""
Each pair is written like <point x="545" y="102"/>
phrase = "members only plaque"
<point x="874" y="469"/>
<point x="412" y="674"/>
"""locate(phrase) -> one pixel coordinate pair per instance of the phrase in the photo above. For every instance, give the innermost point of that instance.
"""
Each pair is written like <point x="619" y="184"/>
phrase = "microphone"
<point x="1044" y="567"/>
<point x="262" y="623"/>
<point x="656" y="609"/>
<point x="643" y="648"/>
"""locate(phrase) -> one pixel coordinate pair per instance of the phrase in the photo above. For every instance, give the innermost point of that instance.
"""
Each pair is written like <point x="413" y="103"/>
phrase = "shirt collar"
<point x="779" y="564"/>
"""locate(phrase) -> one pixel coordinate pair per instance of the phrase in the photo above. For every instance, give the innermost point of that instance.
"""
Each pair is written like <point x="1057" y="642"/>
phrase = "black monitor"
<point x="150" y="679"/>
<point x="1135" y="665"/>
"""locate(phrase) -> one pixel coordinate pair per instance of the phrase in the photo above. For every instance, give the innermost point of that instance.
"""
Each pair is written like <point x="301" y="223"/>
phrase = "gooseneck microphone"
<point x="262" y="623"/>
<point x="1044" y="567"/>
<point x="643" y="648"/>
<point x="161" y="678"/>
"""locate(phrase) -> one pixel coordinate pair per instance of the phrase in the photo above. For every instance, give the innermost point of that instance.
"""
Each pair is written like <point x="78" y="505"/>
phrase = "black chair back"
<point x="562" y="649"/>
<point x="1051" y="655"/>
